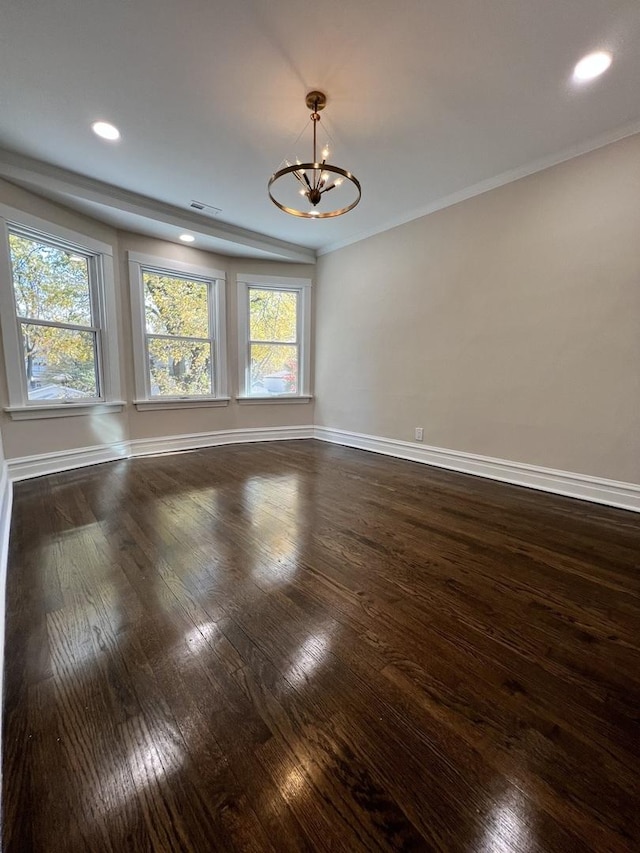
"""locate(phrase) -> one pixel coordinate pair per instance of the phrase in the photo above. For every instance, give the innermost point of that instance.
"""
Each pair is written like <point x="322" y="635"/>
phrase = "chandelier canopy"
<point x="312" y="181"/>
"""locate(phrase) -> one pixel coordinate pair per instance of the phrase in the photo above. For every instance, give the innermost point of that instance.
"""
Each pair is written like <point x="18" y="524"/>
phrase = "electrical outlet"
<point x="419" y="433"/>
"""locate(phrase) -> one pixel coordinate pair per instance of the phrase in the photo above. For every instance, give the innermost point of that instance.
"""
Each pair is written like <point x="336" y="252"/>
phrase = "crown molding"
<point x="491" y="184"/>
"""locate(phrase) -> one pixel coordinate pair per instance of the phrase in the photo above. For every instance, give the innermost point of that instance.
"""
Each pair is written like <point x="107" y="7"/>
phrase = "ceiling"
<point x="429" y="101"/>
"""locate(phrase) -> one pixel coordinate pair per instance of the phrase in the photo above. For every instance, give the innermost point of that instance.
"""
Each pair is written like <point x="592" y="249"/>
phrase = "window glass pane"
<point x="274" y="369"/>
<point x="176" y="306"/>
<point x="60" y="363"/>
<point x="179" y="368"/>
<point x="272" y="315"/>
<point x="50" y="283"/>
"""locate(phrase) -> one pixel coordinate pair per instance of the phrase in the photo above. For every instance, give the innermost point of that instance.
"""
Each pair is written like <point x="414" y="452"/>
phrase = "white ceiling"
<point x="427" y="98"/>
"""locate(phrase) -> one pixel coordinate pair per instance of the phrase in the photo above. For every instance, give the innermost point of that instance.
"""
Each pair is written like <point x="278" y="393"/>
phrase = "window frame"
<point x="104" y="319"/>
<point x="301" y="286"/>
<point x="216" y="305"/>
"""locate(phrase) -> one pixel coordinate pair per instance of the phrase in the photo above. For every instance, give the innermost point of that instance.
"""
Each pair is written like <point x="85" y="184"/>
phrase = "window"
<point x="274" y="321"/>
<point x="58" y="319"/>
<point x="178" y="317"/>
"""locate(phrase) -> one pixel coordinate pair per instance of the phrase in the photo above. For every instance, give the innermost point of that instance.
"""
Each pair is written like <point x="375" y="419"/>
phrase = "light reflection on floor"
<point x="202" y="637"/>
<point x="151" y="761"/>
<point x="176" y="513"/>
<point x="279" y="534"/>
<point x="309" y="657"/>
<point x="508" y="825"/>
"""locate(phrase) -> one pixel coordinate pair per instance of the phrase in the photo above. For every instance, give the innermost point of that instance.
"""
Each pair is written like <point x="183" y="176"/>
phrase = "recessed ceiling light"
<point x="187" y="238"/>
<point x="592" y="66"/>
<point x="105" y="130"/>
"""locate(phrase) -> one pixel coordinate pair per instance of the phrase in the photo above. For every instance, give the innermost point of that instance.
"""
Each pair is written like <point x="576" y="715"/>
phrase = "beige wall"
<point x="25" y="438"/>
<point x="507" y="325"/>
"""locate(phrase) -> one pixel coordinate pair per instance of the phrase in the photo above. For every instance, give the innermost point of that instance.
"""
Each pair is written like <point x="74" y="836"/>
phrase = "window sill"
<point x="63" y="410"/>
<point x="178" y="403"/>
<point x="275" y="398"/>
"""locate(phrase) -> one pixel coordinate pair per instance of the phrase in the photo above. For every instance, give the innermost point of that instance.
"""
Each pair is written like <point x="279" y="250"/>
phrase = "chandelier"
<point x="314" y="181"/>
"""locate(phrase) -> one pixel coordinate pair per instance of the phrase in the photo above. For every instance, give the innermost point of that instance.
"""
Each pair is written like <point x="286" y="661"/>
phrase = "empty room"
<point x="320" y="426"/>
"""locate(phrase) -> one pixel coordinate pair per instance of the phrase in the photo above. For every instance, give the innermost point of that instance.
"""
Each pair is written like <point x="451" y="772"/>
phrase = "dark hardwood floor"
<point x="297" y="646"/>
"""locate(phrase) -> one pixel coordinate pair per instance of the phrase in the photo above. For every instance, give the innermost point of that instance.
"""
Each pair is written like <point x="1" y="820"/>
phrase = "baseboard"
<point x="595" y="489"/>
<point x="26" y="467"/>
<point x="193" y="441"/>
<point x="6" y="498"/>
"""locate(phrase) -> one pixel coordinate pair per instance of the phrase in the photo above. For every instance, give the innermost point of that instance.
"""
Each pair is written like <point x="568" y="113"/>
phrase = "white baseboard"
<point x="25" y="467"/>
<point x="6" y="499"/>
<point x="193" y="441"/>
<point x="582" y="486"/>
<point x="595" y="489"/>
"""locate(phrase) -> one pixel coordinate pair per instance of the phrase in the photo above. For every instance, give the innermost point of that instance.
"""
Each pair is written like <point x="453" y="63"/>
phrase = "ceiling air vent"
<point x="209" y="209"/>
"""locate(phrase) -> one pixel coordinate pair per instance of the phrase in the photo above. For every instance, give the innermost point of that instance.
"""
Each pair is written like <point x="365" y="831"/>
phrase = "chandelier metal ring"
<point x="313" y="214"/>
